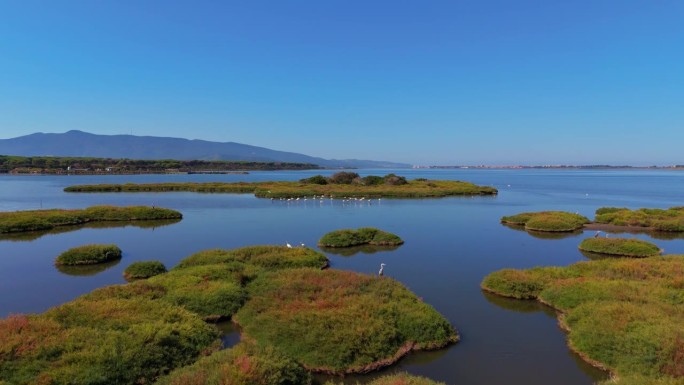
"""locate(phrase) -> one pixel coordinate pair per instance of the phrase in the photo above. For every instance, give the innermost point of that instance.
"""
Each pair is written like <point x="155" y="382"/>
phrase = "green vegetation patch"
<point x="212" y="283"/>
<point x="340" y="322"/>
<point x="244" y="364"/>
<point x="626" y="247"/>
<point x="144" y="269"/>
<point x="362" y="236"/>
<point x="551" y="221"/>
<point x="89" y="255"/>
<point x="32" y="220"/>
<point x="671" y="219"/>
<point x="263" y="256"/>
<point x="119" y="335"/>
<point x="392" y="186"/>
<point x="212" y="291"/>
<point x="399" y="379"/>
<point x="623" y="314"/>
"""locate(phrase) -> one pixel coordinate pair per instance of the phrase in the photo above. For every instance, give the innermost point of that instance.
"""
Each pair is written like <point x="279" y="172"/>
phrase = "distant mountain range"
<point x="84" y="144"/>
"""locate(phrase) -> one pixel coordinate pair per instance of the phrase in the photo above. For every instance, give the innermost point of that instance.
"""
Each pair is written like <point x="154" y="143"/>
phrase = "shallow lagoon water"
<point x="451" y="244"/>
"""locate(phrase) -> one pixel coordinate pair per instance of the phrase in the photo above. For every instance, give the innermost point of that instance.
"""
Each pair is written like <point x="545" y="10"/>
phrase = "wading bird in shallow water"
<point x="289" y="246"/>
<point x="382" y="266"/>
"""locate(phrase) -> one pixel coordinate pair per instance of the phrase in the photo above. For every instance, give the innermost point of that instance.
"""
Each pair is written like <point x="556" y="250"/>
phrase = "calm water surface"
<point x="451" y="244"/>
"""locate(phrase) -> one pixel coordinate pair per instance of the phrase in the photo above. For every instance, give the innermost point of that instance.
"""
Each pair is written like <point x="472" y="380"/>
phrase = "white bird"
<point x="289" y="246"/>
<point x="382" y="266"/>
<point x="302" y="244"/>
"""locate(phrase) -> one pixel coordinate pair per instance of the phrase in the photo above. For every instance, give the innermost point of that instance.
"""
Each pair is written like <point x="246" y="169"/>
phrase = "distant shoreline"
<point x="677" y="167"/>
<point x="70" y="173"/>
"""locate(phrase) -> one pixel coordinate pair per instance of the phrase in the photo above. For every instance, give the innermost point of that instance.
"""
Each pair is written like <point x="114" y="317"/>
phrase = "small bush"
<point x="394" y="180"/>
<point x="343" y="177"/>
<point x="620" y="246"/>
<point x="89" y="255"/>
<point x="372" y="180"/>
<point x="316" y="179"/>
<point x="144" y="269"/>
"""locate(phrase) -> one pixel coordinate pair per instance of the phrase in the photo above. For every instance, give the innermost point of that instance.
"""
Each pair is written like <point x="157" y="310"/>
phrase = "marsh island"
<point x="317" y="187"/>
<point x="294" y="314"/>
<point x="35" y="220"/>
<point x="89" y="255"/>
<point x="607" y="218"/>
<point x="623" y="247"/>
<point x="622" y="315"/>
<point x="362" y="236"/>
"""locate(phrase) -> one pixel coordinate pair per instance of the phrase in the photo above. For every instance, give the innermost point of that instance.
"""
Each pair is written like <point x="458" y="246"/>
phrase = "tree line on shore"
<point x="55" y="165"/>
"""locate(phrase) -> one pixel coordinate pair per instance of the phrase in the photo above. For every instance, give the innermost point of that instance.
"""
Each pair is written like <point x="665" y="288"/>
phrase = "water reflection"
<point x="230" y="333"/>
<point x="33" y="235"/>
<point x="544" y="234"/>
<point x="662" y="235"/>
<point x="518" y="305"/>
<point x="533" y="306"/>
<point x="86" y="270"/>
<point x="413" y="358"/>
<point x="351" y="251"/>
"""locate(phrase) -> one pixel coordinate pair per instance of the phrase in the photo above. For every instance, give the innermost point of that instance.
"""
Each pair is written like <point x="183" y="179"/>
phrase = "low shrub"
<point x="623" y="313"/>
<point x="372" y="180"/>
<point x="343" y="177"/>
<point x="316" y="179"/>
<point x="362" y="236"/>
<point x="626" y="247"/>
<point x="394" y="180"/>
<point x="340" y="322"/>
<point x="89" y="255"/>
<point x="144" y="269"/>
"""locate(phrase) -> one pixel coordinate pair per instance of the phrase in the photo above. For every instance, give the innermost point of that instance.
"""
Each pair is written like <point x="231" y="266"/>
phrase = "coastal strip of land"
<point x="417" y="188"/>
<point x="56" y="165"/>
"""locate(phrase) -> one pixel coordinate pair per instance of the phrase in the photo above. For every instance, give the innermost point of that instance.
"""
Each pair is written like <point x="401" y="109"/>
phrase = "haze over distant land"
<point x="495" y="82"/>
<point x="83" y="144"/>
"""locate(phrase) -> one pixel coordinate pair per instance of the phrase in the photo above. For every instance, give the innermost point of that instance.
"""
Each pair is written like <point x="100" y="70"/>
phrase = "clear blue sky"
<point x="423" y="82"/>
